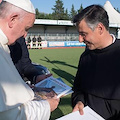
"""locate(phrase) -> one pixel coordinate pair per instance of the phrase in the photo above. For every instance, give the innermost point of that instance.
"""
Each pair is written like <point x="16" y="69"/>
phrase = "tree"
<point x="42" y="15"/>
<point x="58" y="10"/>
<point x="81" y="7"/>
<point x="73" y="12"/>
<point x="37" y="13"/>
<point x="117" y="10"/>
<point x="66" y="15"/>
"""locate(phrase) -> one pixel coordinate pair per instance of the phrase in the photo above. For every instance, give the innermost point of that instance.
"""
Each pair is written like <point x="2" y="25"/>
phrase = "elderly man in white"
<point x="16" y="98"/>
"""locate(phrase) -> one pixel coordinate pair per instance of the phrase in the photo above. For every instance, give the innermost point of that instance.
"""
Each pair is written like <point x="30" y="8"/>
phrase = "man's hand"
<point x="79" y="107"/>
<point x="42" y="77"/>
<point x="53" y="103"/>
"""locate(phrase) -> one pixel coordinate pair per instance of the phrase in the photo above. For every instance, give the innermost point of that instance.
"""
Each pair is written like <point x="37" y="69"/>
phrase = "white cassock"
<point x="15" y="96"/>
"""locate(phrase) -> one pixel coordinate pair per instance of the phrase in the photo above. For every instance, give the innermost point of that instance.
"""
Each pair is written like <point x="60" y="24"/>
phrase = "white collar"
<point x="2" y="35"/>
<point x="4" y="41"/>
<point x="113" y="36"/>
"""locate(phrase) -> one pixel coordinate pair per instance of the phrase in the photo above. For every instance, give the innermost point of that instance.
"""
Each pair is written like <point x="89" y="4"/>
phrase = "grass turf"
<point x="61" y="63"/>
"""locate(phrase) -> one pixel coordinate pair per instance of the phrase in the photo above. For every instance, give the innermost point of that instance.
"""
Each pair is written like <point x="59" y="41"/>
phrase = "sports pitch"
<point x="61" y="63"/>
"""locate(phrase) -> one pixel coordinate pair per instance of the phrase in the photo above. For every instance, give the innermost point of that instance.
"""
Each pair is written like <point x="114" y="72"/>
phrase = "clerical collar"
<point x="3" y="38"/>
<point x="113" y="36"/>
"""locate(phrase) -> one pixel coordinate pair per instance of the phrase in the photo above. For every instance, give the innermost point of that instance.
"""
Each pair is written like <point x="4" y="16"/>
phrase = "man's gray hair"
<point x="7" y="9"/>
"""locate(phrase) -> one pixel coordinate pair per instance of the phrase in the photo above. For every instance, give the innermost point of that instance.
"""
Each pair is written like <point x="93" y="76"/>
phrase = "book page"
<point x="51" y="86"/>
<point x="89" y="114"/>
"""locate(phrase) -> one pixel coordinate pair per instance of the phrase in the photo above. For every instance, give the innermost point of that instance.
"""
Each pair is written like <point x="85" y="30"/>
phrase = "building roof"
<point x="53" y="22"/>
<point x="114" y="16"/>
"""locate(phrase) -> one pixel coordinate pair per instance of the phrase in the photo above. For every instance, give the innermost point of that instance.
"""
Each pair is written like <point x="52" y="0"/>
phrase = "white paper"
<point x="89" y="114"/>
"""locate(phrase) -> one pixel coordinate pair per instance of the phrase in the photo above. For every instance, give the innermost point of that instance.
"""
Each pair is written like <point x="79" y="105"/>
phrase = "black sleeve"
<point x="20" y="57"/>
<point x="28" y="68"/>
<point x="78" y="94"/>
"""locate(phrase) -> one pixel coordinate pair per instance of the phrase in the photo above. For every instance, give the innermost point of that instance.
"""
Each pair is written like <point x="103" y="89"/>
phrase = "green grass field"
<point x="61" y="63"/>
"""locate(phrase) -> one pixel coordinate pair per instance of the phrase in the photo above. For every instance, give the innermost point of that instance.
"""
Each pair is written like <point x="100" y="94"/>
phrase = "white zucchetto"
<point x="23" y="4"/>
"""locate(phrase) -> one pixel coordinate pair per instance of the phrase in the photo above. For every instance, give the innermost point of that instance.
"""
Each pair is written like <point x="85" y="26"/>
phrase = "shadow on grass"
<point x="56" y="114"/>
<point x="58" y="62"/>
<point x="65" y="106"/>
<point x="64" y="75"/>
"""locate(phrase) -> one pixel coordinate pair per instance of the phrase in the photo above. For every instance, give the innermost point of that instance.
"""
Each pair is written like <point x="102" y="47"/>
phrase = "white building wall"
<point x="55" y="30"/>
<point x="37" y="29"/>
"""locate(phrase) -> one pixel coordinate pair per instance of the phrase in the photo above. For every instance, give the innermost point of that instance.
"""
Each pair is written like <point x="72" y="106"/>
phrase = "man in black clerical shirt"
<point x="97" y="82"/>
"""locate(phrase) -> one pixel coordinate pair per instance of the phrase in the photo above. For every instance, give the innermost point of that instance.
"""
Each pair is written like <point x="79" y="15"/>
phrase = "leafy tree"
<point x="73" y="12"/>
<point x="49" y="16"/>
<point x="58" y="10"/>
<point x="42" y="16"/>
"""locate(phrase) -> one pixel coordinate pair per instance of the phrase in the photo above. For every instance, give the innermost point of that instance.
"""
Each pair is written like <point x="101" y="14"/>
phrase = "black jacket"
<point x="97" y="82"/>
<point x="20" y="56"/>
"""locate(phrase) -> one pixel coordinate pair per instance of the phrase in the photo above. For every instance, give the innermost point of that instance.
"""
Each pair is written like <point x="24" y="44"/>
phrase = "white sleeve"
<point x="37" y="110"/>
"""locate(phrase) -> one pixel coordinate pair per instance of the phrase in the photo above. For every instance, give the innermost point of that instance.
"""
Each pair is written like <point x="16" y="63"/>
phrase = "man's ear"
<point x="12" y="20"/>
<point x="100" y="28"/>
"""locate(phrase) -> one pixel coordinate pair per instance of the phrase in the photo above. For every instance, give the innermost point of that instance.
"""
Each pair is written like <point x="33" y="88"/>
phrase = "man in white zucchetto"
<point x="16" y="98"/>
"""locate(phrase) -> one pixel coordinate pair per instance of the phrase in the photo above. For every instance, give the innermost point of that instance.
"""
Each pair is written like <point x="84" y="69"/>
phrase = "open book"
<point x="50" y="87"/>
<point x="89" y="114"/>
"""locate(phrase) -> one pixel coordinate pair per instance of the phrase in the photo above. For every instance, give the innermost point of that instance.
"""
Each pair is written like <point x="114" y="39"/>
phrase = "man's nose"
<point x="81" y="38"/>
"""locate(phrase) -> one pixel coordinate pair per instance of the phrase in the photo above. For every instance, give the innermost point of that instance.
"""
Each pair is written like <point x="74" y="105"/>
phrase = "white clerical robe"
<point x="15" y="96"/>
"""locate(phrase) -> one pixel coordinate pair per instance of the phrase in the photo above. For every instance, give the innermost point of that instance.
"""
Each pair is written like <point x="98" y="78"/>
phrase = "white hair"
<point x="92" y="26"/>
<point x="7" y="9"/>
